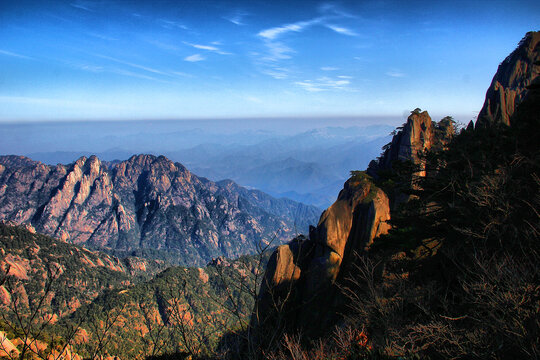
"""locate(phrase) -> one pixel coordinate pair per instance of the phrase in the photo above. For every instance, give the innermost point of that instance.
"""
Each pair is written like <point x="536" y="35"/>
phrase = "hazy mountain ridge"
<point x="146" y="202"/>
<point x="306" y="166"/>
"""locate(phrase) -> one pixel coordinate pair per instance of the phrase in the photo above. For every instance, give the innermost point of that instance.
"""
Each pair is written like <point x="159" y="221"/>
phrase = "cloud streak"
<point x="341" y="30"/>
<point x="136" y="66"/>
<point x="395" y="74"/>
<point x="237" y="17"/>
<point x="83" y="5"/>
<point x="324" y="84"/>
<point x="194" y="58"/>
<point x="275" y="32"/>
<point x="211" y="48"/>
<point x="274" y="40"/>
<point x="12" y="54"/>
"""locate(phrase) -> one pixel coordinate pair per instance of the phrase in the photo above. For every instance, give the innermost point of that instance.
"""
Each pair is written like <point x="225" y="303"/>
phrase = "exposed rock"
<point x="302" y="276"/>
<point x="79" y="274"/>
<point x="146" y="202"/>
<point x="300" y="290"/>
<point x="512" y="82"/>
<point x="7" y="348"/>
<point x="418" y="135"/>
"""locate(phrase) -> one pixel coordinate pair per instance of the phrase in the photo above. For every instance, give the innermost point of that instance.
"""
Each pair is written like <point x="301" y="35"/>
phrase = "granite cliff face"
<point x="146" y="202"/>
<point x="418" y="135"/>
<point x="510" y="85"/>
<point x="304" y="276"/>
<point x="300" y="290"/>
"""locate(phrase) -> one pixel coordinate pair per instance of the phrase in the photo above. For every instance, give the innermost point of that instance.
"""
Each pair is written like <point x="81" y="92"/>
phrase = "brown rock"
<point x="300" y="283"/>
<point x="510" y="84"/>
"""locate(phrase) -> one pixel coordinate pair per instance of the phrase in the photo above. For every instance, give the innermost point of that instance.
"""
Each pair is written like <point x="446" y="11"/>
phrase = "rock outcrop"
<point x="301" y="280"/>
<point x="145" y="203"/>
<point x="300" y="291"/>
<point x="301" y="288"/>
<point x="418" y="135"/>
<point x="512" y="82"/>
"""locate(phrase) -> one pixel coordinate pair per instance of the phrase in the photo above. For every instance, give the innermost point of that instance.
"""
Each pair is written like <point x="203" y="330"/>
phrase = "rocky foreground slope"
<point x="146" y="203"/>
<point x="31" y="262"/>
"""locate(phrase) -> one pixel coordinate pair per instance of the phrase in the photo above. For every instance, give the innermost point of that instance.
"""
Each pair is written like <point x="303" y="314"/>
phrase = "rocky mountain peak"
<point x="511" y="83"/>
<point x="413" y="139"/>
<point x="146" y="203"/>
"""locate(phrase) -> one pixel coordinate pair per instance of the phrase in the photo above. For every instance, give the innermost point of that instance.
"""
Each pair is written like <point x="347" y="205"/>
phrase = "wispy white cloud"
<point x="275" y="32"/>
<point x="171" y="24"/>
<point x="277" y="48"/>
<point x="83" y="5"/>
<point x="90" y="68"/>
<point x="12" y="54"/>
<point x="333" y="9"/>
<point x="236" y="17"/>
<point x="345" y="77"/>
<point x="137" y="66"/>
<point x="396" y="74"/>
<point x="324" y="84"/>
<point x="205" y="47"/>
<point x="341" y="30"/>
<point x="208" y="48"/>
<point x="132" y="74"/>
<point x="278" y="51"/>
<point x="194" y="58"/>
<point x="182" y="74"/>
<point x="276" y="72"/>
<point x="329" y="68"/>
<point x="330" y="11"/>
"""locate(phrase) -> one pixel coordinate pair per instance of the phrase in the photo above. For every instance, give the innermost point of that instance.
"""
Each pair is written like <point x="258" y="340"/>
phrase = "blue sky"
<point x="85" y="60"/>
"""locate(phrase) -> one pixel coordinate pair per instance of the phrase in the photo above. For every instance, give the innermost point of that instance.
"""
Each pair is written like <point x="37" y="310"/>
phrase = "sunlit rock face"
<point x="512" y="82"/>
<point x="302" y="276"/>
<point x="418" y="135"/>
<point x="146" y="202"/>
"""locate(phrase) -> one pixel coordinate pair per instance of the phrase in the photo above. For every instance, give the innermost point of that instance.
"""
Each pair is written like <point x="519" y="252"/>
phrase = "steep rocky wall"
<point x="301" y="285"/>
<point x="510" y="84"/>
<point x="418" y="135"/>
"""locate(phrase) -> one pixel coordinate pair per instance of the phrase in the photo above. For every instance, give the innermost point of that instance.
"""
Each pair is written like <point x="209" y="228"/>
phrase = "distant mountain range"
<point x="147" y="206"/>
<point x="310" y="166"/>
